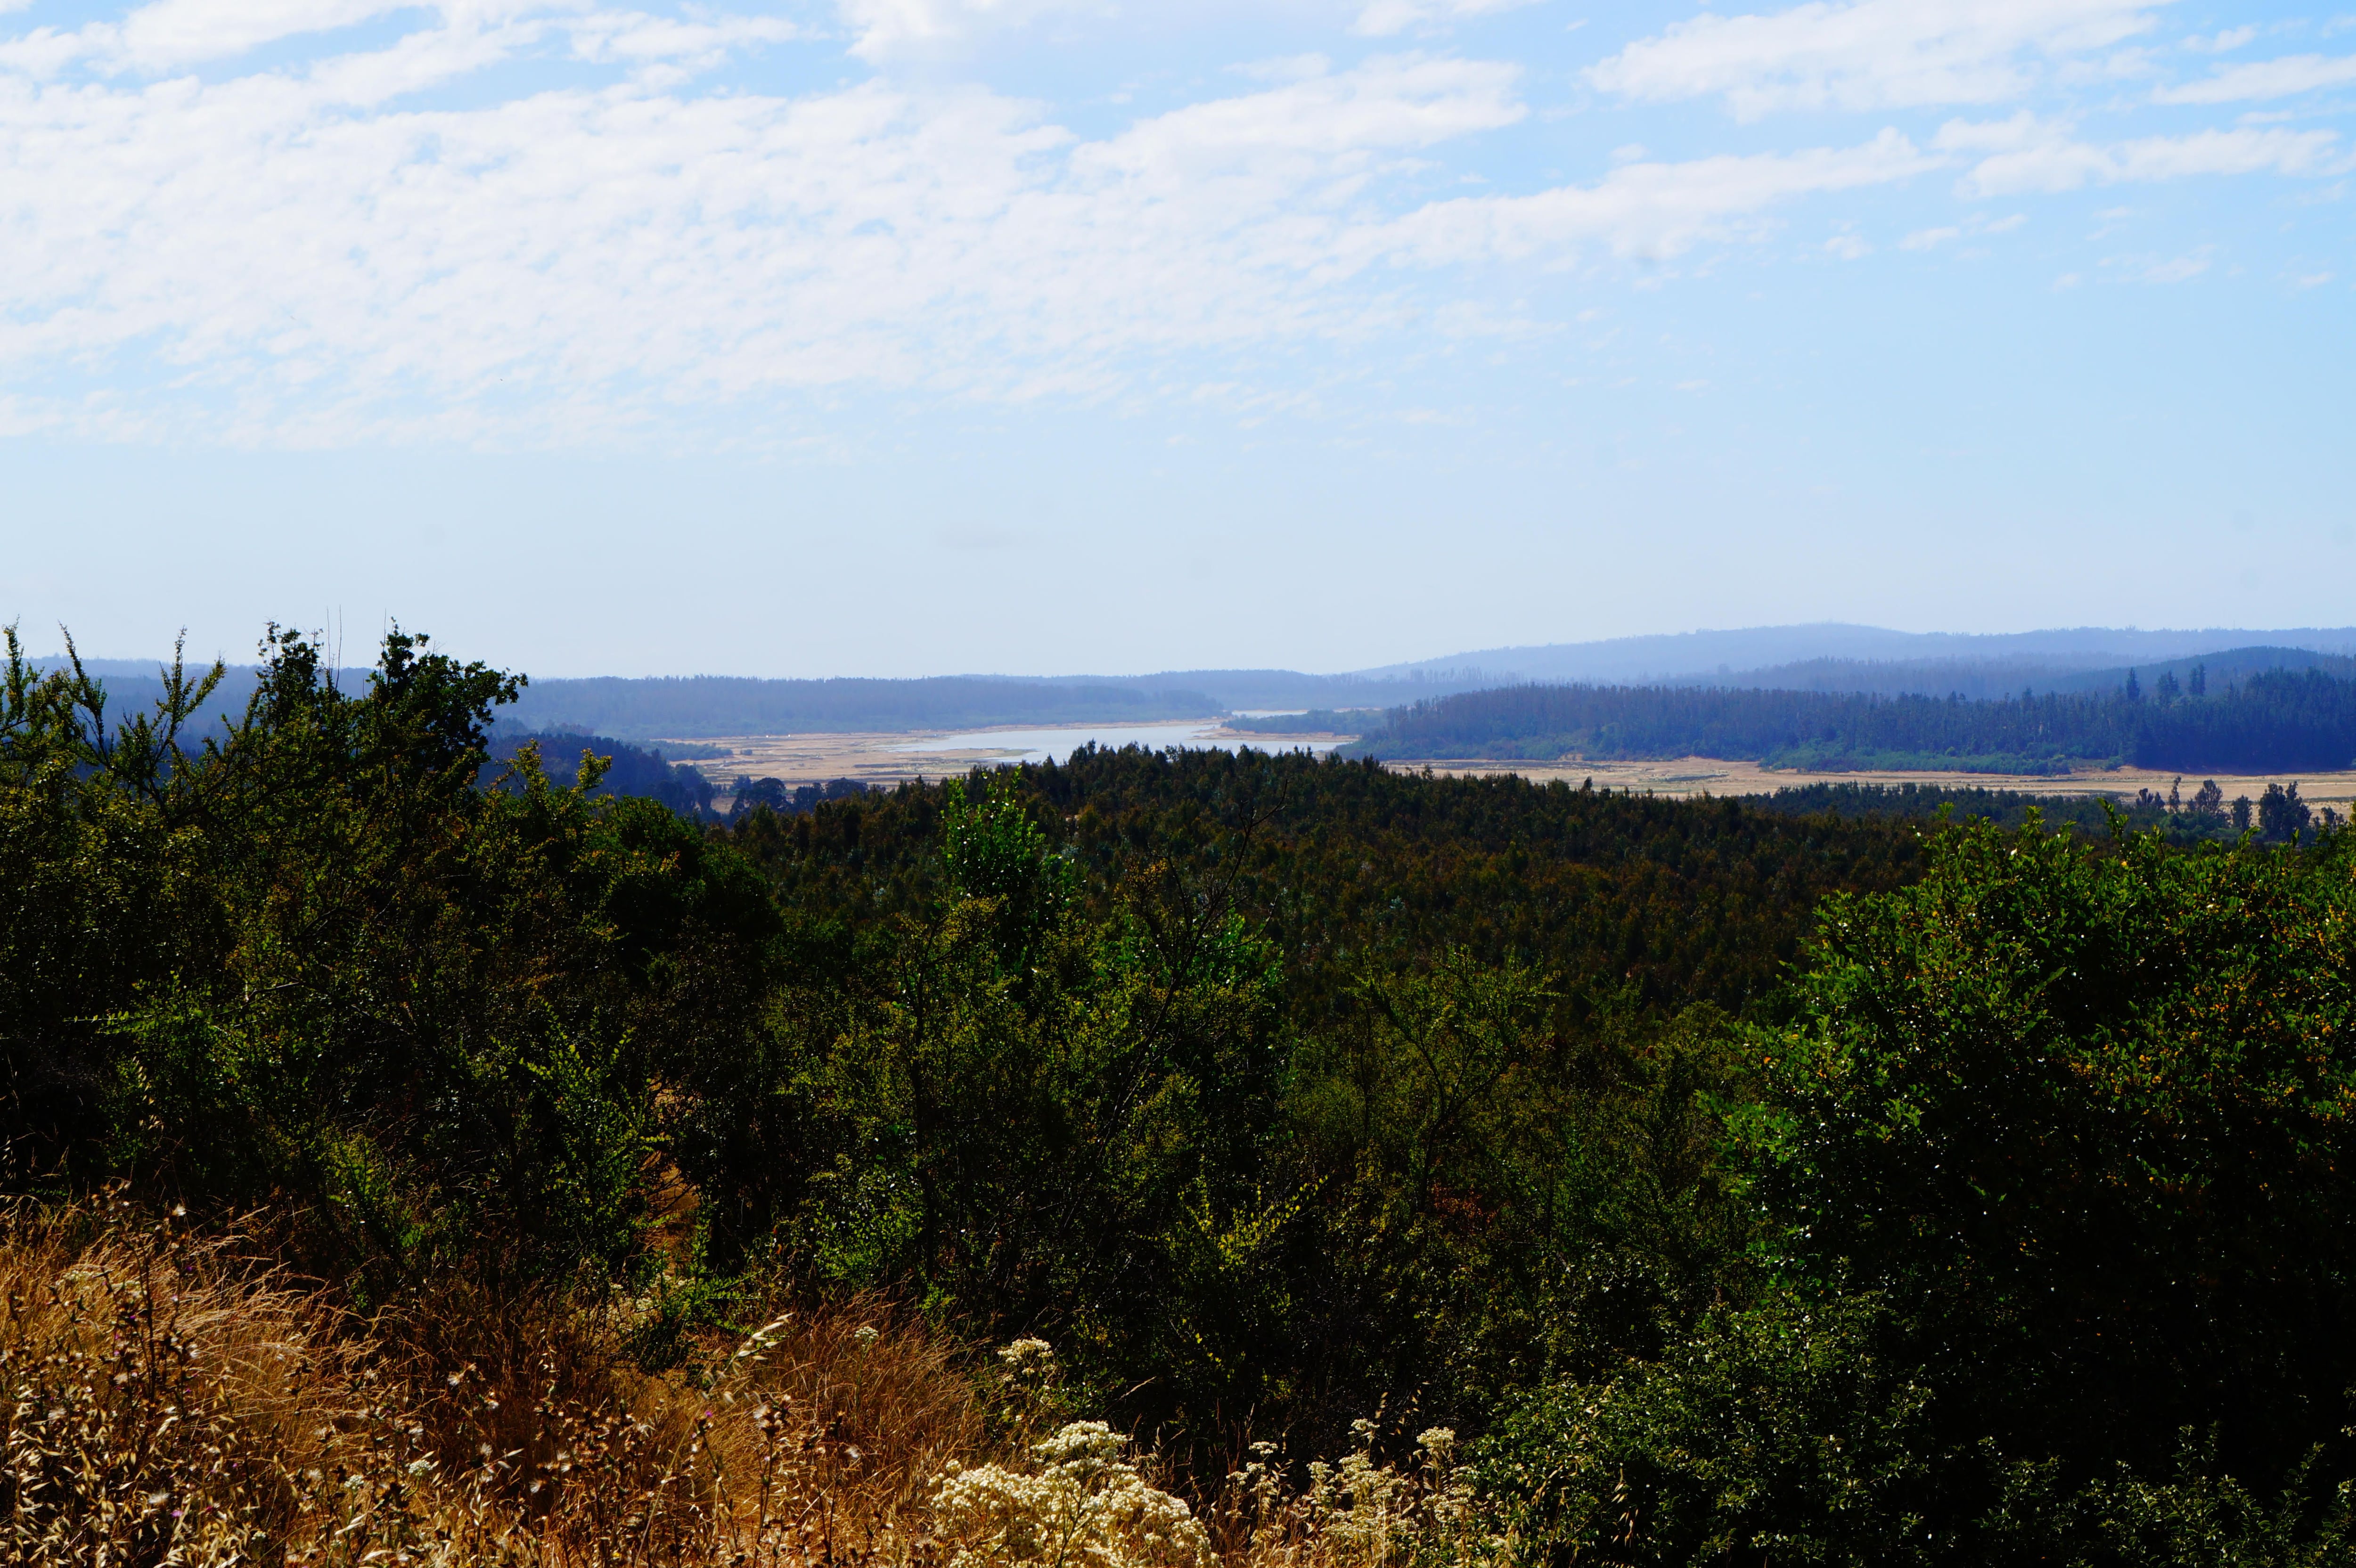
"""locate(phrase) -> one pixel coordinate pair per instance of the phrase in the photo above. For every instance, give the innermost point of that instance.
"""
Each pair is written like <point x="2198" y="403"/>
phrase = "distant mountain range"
<point x="1830" y="657"/>
<point x="1683" y="656"/>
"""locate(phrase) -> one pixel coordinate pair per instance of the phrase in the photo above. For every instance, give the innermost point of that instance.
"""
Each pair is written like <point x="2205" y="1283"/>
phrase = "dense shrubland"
<point x="1356" y="1166"/>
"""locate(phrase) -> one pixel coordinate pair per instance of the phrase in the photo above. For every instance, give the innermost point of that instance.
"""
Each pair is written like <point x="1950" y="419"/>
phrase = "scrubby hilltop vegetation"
<point x="419" y="1168"/>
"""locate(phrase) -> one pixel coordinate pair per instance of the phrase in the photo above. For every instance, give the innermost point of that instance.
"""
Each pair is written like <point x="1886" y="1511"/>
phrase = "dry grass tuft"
<point x="1357" y="1513"/>
<point x="165" y="1401"/>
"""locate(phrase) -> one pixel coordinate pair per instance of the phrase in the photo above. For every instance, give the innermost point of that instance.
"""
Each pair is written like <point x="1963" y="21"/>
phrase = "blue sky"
<point x="897" y="336"/>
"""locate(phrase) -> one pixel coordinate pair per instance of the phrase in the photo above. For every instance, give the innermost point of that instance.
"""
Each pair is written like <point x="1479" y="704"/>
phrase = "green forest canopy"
<point x="1743" y="1186"/>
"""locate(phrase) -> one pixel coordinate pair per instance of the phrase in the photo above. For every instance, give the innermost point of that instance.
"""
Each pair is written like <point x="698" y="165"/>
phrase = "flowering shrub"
<point x="1357" y="1513"/>
<point x="1086" y="1504"/>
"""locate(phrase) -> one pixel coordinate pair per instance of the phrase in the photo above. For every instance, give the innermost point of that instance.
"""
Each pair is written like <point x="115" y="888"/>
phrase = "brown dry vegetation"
<point x="169" y="1399"/>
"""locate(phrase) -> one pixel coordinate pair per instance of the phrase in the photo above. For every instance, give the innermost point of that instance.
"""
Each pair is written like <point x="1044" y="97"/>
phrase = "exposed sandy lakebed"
<point x="890" y="758"/>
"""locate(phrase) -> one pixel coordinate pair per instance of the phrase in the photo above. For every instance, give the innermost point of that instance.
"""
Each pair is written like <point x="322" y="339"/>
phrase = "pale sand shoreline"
<point x="882" y="759"/>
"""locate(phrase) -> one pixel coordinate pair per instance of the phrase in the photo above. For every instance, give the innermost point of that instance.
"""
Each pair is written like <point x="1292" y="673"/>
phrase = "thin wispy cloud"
<point x="1387" y="18"/>
<point x="1657" y="210"/>
<point x="2263" y="80"/>
<point x="883" y="28"/>
<point x="1870" y="55"/>
<point x="2025" y="154"/>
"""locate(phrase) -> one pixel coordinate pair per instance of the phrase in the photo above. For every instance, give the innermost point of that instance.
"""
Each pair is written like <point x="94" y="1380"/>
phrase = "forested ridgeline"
<point x="625" y="769"/>
<point x="2277" y="816"/>
<point x="1712" y="656"/>
<point x="1313" y="721"/>
<point x="2279" y="721"/>
<point x="635" y="710"/>
<point x="1993" y="679"/>
<point x="1574" y="1177"/>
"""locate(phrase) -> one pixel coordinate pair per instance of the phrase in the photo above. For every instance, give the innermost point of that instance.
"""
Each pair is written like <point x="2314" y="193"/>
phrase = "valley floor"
<point x="893" y="757"/>
<point x="1710" y="775"/>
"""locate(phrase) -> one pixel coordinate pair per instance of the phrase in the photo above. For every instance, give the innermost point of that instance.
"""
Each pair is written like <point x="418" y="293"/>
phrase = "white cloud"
<point x="298" y="252"/>
<point x="2223" y="41"/>
<point x="634" y="38"/>
<point x="172" y="34"/>
<point x="2025" y="153"/>
<point x="1975" y="227"/>
<point x="561" y="264"/>
<point x="2174" y="270"/>
<point x="1870" y="54"/>
<point x="293" y="260"/>
<point x="2281" y="78"/>
<point x="887" y="28"/>
<point x="1653" y="211"/>
<point x="1384" y="18"/>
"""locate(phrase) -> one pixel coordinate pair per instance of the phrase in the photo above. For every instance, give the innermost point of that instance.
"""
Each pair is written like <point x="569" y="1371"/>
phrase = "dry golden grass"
<point x="166" y="1400"/>
<point x="169" y="1401"/>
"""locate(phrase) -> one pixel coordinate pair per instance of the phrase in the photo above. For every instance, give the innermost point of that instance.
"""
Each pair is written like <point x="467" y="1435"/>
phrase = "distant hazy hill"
<point x="1282" y="689"/>
<point x="1829" y="658"/>
<point x="727" y="705"/>
<point x="1699" y="654"/>
<point x="2276" y="720"/>
<point x="135" y="686"/>
<point x="666" y="709"/>
<point x="1979" y="680"/>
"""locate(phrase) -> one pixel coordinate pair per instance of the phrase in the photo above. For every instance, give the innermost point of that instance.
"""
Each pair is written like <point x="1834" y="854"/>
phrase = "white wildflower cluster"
<point x="1358" y="1513"/>
<point x="1086" y="1506"/>
<point x="1029" y="1389"/>
<point x="1028" y="1364"/>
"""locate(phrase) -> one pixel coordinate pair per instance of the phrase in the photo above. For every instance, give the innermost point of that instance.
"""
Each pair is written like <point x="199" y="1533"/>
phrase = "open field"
<point x="890" y="758"/>
<point x="1710" y="775"/>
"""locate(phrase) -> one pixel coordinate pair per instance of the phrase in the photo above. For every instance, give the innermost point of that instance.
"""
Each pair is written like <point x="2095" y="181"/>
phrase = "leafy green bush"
<point x="2052" y="1266"/>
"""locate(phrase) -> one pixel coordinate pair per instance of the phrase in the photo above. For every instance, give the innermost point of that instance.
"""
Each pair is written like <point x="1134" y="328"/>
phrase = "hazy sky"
<point x="897" y="336"/>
